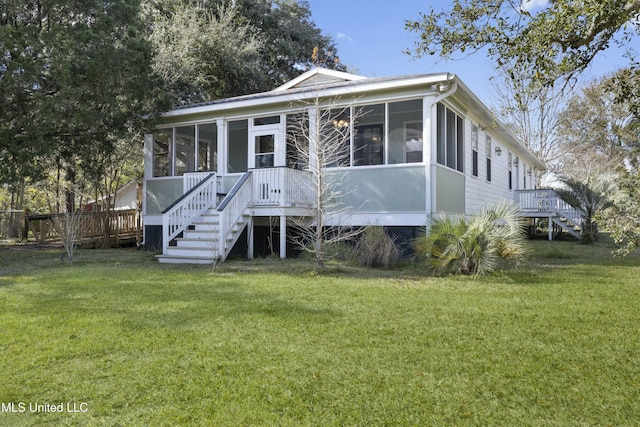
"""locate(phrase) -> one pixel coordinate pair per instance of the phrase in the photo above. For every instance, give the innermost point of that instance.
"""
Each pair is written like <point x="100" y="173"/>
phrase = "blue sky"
<point x="371" y="39"/>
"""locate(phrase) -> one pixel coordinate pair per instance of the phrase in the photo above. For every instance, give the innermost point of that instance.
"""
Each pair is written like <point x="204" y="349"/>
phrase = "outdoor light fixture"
<point x="529" y="172"/>
<point x="498" y="151"/>
<point x="341" y="123"/>
<point x="516" y="162"/>
<point x="443" y="87"/>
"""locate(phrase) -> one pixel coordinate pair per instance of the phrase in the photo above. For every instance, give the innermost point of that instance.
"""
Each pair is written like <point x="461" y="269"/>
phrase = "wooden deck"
<point x="96" y="229"/>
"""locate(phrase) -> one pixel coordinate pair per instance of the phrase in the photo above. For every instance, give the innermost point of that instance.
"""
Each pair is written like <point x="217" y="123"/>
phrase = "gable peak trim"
<point x="318" y="72"/>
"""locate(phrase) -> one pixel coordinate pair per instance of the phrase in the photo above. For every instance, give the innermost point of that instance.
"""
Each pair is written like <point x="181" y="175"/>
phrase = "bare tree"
<point x="532" y="112"/>
<point x="320" y="138"/>
<point x="70" y="227"/>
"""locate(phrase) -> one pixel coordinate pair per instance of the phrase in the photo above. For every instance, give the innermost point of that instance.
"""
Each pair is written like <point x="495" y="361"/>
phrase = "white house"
<point x="423" y="144"/>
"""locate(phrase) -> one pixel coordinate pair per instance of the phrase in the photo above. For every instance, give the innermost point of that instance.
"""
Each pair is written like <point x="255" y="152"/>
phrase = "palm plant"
<point x="588" y="197"/>
<point x="474" y="245"/>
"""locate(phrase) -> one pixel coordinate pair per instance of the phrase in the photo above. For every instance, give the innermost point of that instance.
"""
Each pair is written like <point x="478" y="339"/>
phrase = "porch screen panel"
<point x="208" y="147"/>
<point x="334" y="145"/>
<point x="161" y="152"/>
<point x="368" y="138"/>
<point x="185" y="157"/>
<point x="450" y="138"/>
<point x="238" y="148"/>
<point x="459" y="144"/>
<point x="441" y="148"/>
<point x="298" y="140"/>
<point x="405" y="132"/>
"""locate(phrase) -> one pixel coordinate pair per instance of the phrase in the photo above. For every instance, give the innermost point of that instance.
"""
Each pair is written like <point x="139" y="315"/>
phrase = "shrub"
<point x="376" y="249"/>
<point x="476" y="245"/>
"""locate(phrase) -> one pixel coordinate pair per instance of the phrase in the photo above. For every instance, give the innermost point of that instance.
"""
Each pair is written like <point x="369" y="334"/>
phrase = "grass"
<point x="268" y="342"/>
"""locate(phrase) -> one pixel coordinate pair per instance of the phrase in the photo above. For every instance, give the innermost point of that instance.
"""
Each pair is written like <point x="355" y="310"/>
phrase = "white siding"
<point x="478" y="190"/>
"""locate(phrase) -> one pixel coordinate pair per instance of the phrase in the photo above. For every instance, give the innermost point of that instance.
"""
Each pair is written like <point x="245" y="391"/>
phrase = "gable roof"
<point x="318" y="77"/>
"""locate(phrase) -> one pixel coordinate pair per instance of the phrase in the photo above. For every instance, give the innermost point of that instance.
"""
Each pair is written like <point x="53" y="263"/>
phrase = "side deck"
<point x="546" y="203"/>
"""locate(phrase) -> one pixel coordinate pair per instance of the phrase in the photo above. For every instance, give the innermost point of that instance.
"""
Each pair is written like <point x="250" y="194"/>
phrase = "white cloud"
<point x="530" y="5"/>
<point x="343" y="36"/>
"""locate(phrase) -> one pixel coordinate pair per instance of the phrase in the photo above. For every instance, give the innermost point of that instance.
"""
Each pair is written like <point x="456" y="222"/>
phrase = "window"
<point x="265" y="149"/>
<point x="488" y="154"/>
<point x="208" y="147"/>
<point x="162" y="152"/>
<point x="510" y="177"/>
<point x="368" y="136"/>
<point x="238" y="149"/>
<point x="405" y="132"/>
<point x="270" y="120"/>
<point x="450" y="138"/>
<point x="474" y="150"/>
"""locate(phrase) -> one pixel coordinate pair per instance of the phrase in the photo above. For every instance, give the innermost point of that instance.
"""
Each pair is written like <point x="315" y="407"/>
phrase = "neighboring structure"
<point x="425" y="144"/>
<point x="127" y="197"/>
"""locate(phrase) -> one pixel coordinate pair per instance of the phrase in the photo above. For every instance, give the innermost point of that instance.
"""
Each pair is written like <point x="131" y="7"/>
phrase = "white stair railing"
<point x="177" y="217"/>
<point x="548" y="201"/>
<point x="192" y="179"/>
<point x="232" y="208"/>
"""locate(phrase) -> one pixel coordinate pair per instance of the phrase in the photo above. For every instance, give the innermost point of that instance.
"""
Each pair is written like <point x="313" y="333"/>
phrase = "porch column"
<point x="250" y="239"/>
<point x="222" y="147"/>
<point x="283" y="236"/>
<point x="550" y="228"/>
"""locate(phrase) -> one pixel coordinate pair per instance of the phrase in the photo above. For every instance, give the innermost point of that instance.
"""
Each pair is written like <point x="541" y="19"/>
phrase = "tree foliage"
<point x="590" y="195"/>
<point x="558" y="40"/>
<point x="214" y="49"/>
<point x="77" y="78"/>
<point x="531" y="112"/>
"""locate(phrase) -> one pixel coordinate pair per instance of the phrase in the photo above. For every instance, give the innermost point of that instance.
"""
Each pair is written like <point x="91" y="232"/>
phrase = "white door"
<point x="266" y="148"/>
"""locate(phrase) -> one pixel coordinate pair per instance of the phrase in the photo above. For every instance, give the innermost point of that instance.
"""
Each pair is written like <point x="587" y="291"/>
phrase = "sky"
<point x="371" y="38"/>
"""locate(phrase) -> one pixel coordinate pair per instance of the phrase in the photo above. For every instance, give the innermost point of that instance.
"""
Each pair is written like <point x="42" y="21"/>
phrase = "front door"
<point x="264" y="148"/>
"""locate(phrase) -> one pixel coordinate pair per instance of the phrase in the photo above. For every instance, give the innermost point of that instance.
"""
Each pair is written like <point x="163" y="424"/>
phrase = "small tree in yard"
<point x="456" y="244"/>
<point x="589" y="197"/>
<point x="321" y="138"/>
<point x="70" y="227"/>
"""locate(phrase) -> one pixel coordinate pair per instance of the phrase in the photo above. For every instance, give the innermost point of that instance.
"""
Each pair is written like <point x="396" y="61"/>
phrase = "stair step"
<point x="192" y="252"/>
<point x="200" y="234"/>
<point x="196" y="243"/>
<point x="168" y="259"/>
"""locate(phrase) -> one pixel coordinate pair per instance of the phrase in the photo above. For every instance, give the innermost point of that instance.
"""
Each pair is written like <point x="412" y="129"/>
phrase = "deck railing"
<point x="104" y="226"/>
<point x="546" y="201"/>
<point x="283" y="187"/>
<point x="183" y="211"/>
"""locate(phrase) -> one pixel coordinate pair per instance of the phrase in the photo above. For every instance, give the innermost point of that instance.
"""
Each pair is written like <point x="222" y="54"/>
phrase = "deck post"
<point x="550" y="226"/>
<point x="250" y="238"/>
<point x="283" y="236"/>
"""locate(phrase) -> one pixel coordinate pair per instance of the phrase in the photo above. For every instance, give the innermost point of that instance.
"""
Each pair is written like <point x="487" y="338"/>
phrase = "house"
<point x="225" y="173"/>
<point x="127" y="197"/>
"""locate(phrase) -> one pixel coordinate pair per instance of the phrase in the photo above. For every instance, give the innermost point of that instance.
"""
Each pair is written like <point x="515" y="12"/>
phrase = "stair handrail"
<point x="547" y="200"/>
<point x="232" y="208"/>
<point x="177" y="216"/>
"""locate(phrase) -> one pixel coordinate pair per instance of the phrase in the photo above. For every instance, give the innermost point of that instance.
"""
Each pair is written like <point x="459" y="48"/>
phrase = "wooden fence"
<point x="104" y="229"/>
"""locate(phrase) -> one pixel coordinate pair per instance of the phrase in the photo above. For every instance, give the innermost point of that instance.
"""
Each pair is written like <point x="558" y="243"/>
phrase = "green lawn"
<point x="131" y="342"/>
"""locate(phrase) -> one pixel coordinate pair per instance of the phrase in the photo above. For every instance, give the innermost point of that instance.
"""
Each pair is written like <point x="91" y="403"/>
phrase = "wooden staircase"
<point x="546" y="203"/>
<point x="209" y="233"/>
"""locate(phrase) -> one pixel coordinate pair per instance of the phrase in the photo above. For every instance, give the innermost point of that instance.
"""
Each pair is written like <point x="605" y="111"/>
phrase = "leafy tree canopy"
<point x="219" y="48"/>
<point x="559" y="40"/>
<point x="75" y="77"/>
